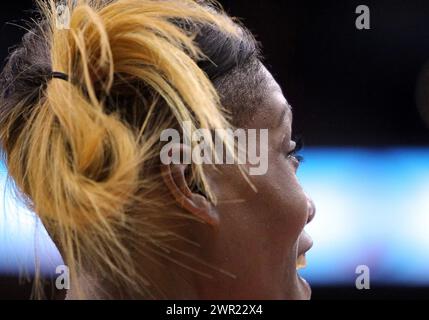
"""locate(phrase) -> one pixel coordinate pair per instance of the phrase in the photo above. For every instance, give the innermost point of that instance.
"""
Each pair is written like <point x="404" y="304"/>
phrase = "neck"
<point x="163" y="278"/>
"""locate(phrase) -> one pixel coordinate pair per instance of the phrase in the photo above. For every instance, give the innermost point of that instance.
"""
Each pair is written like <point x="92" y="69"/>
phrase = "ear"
<point x="175" y="180"/>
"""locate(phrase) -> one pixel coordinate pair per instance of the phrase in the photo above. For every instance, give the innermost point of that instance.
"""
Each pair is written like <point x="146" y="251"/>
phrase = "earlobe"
<point x="175" y="180"/>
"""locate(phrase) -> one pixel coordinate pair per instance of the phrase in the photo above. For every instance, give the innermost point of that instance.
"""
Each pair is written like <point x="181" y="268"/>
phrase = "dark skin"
<point x="247" y="245"/>
<point x="256" y="237"/>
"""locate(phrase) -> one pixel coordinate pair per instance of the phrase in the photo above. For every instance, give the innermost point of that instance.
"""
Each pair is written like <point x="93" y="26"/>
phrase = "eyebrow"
<point x="283" y="115"/>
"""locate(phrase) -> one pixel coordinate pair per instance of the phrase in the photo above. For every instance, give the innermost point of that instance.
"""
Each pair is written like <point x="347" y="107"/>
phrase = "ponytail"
<point x="83" y="149"/>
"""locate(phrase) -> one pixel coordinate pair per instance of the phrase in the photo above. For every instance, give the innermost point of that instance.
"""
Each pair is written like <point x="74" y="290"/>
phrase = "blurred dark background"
<point x="348" y="87"/>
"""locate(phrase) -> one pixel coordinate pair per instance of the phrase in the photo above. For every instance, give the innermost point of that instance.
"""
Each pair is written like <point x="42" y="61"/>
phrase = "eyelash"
<point x="298" y="147"/>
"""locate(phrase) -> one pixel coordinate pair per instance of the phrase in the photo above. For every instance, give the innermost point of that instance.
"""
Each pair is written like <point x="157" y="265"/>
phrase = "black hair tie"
<point x="59" y="75"/>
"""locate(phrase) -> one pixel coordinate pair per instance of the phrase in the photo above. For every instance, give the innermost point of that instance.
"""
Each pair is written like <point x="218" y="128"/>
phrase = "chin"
<point x="300" y="290"/>
<point x="304" y="289"/>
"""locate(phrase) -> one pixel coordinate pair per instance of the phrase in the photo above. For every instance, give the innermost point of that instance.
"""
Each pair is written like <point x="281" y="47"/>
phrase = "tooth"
<point x="301" y="262"/>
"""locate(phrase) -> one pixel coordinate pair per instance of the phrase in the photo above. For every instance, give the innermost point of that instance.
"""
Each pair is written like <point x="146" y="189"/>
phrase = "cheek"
<point x="277" y="213"/>
<point x="285" y="199"/>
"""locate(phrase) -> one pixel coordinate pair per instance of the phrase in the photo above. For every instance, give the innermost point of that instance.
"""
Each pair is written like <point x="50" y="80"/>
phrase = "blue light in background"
<point x="23" y="240"/>
<point x="372" y="209"/>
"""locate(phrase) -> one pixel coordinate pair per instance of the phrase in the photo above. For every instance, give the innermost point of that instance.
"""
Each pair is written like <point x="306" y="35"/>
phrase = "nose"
<point x="311" y="210"/>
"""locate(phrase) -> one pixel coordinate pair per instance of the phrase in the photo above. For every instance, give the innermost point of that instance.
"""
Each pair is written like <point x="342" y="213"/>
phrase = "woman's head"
<point x="84" y="153"/>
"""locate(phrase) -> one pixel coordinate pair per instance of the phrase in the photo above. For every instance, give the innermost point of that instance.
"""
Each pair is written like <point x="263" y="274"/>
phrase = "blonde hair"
<point x="78" y="159"/>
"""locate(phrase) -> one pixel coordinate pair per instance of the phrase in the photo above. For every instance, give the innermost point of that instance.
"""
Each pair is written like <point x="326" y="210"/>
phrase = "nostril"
<point x="311" y="210"/>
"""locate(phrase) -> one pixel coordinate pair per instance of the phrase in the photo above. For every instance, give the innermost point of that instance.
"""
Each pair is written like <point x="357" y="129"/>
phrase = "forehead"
<point x="274" y="107"/>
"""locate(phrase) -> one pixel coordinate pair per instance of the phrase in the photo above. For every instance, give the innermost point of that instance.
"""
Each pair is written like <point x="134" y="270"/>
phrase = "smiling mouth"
<point x="305" y="244"/>
<point x="301" y="262"/>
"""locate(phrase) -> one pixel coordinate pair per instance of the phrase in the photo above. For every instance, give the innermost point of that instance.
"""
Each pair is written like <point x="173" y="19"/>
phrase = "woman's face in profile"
<point x="105" y="201"/>
<point x="260" y="237"/>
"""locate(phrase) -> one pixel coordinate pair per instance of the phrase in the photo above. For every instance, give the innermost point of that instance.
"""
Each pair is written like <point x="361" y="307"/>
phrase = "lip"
<point x="305" y="244"/>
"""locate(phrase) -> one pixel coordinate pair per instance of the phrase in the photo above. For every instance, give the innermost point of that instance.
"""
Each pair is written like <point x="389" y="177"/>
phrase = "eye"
<point x="293" y="154"/>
